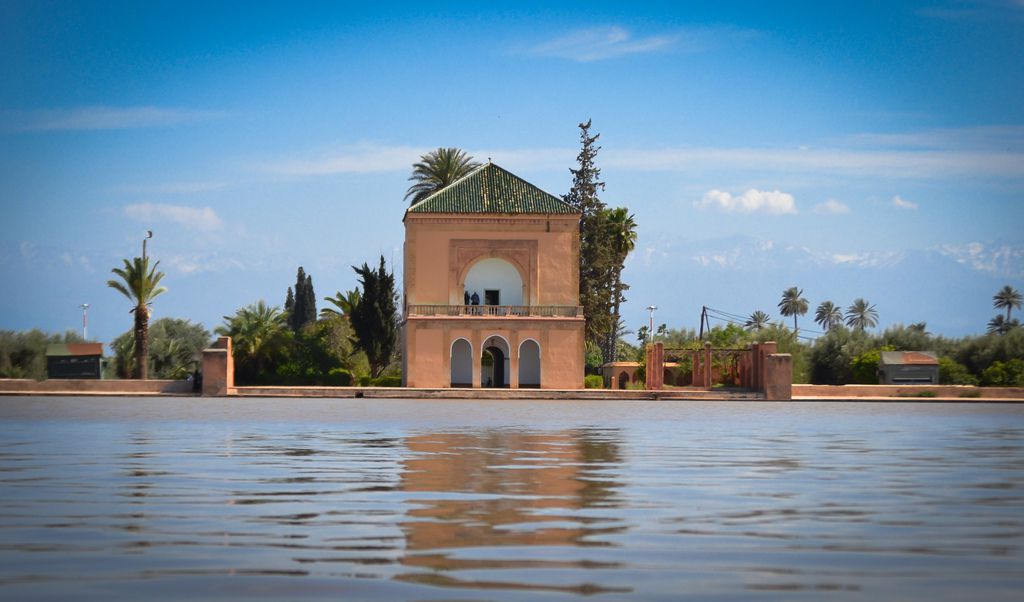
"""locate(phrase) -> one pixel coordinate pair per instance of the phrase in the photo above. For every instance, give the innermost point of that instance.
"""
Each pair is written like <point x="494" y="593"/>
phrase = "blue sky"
<point x="859" y="140"/>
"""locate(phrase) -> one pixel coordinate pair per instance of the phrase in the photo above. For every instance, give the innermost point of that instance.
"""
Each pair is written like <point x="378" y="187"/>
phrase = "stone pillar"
<point x="218" y="369"/>
<point x="755" y="367"/>
<point x="615" y="382"/>
<point x="649" y="357"/>
<point x="766" y="349"/>
<point x="659" y="350"/>
<point x="478" y="354"/>
<point x="707" y="366"/>
<point x="778" y="375"/>
<point x="695" y="374"/>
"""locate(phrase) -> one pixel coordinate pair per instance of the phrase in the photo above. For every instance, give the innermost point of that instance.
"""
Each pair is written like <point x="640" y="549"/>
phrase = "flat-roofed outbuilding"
<point x="908" y="368"/>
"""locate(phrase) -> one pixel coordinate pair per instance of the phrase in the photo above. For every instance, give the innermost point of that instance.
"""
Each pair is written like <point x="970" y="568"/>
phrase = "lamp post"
<point x="85" y="321"/>
<point x="650" y="331"/>
<point x="149" y="234"/>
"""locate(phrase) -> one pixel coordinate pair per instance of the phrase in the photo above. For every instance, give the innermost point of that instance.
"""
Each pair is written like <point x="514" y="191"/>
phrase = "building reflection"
<point x="501" y="489"/>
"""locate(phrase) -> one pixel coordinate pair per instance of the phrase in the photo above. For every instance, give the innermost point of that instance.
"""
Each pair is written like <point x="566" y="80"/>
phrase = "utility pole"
<point x="85" y="321"/>
<point x="149" y="234"/>
<point x="650" y="331"/>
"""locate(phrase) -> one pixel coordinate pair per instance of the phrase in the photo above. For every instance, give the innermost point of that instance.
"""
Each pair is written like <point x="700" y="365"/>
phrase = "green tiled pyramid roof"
<point x="491" y="189"/>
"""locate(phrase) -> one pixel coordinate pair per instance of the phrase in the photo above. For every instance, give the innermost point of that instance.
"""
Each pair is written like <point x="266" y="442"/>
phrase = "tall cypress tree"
<point x="289" y="305"/>
<point x="596" y="253"/>
<point x="304" y="308"/>
<point x="309" y="306"/>
<point x="375" y="319"/>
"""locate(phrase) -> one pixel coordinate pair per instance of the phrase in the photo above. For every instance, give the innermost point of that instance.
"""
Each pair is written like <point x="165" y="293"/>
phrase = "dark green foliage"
<point x="1004" y="374"/>
<point x="832" y="356"/>
<point x="289" y="303"/>
<point x="953" y="373"/>
<point x="978" y="353"/>
<point x="175" y="349"/>
<point x="606" y="237"/>
<point x="375" y="319"/>
<point x="23" y="354"/>
<point x="261" y="342"/>
<point x="593" y="381"/>
<point x="303" y="310"/>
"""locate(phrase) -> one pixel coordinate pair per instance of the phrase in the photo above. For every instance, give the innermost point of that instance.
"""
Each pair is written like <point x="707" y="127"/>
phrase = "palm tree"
<point x="344" y="305"/>
<point x="258" y="333"/>
<point x="622" y="234"/>
<point x="436" y="170"/>
<point x="793" y="304"/>
<point x="1009" y="298"/>
<point x="1000" y="325"/>
<point x="757" y="321"/>
<point x="861" y="315"/>
<point x="140" y="284"/>
<point x="828" y="316"/>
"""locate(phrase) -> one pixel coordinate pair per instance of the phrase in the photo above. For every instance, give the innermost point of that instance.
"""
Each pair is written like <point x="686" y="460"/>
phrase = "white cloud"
<point x="600" y="43"/>
<point x="831" y="207"/>
<point x="172" y="187"/>
<point x="101" y="118"/>
<point x="364" y="158"/>
<point x="939" y="164"/>
<point x="902" y="203"/>
<point x="194" y="264"/>
<point x="751" y="201"/>
<point x="193" y="218"/>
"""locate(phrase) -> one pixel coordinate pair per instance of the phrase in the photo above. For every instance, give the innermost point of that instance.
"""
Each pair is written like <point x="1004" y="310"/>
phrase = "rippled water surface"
<point x="461" y="500"/>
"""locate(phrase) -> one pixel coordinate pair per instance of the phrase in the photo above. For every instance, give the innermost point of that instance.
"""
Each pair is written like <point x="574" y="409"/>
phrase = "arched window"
<point x="462" y="364"/>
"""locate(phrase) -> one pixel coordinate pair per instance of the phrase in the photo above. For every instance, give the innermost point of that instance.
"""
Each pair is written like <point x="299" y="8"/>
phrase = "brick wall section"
<point x="910" y="391"/>
<point x="94" y="387"/>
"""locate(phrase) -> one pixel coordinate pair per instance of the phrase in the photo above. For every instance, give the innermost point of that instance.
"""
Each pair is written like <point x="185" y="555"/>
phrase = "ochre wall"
<point x="429" y="341"/>
<point x="439" y="250"/>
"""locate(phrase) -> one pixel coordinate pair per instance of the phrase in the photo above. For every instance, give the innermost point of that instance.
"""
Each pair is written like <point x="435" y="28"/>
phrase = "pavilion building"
<point x="491" y="281"/>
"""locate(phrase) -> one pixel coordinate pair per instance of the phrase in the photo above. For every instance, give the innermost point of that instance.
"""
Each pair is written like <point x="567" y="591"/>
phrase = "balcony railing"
<point x="503" y="311"/>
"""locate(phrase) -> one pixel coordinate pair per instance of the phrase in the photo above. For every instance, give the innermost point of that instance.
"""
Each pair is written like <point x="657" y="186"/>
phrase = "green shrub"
<point x="952" y="372"/>
<point x="864" y="367"/>
<point x="386" y="381"/>
<point x="364" y="380"/>
<point x="971" y="393"/>
<point x="593" y="381"/>
<point x="338" y="377"/>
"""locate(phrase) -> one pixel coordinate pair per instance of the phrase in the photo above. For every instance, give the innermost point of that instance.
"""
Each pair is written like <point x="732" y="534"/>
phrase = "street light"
<point x="149" y="234"/>
<point x="650" y="332"/>
<point x="85" y="321"/>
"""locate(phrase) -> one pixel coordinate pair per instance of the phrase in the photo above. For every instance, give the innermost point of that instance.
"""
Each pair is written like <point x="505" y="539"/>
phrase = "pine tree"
<point x="597" y="257"/>
<point x="375" y="319"/>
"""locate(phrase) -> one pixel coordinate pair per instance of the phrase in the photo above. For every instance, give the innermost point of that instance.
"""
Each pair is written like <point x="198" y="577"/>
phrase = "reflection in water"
<point x="619" y="500"/>
<point x="507" y="489"/>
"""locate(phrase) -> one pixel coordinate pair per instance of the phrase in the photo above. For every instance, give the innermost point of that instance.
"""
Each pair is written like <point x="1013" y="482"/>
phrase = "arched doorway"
<point x="494" y="363"/>
<point x="623" y="379"/>
<point x="462" y="364"/>
<point x="529" y="364"/>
